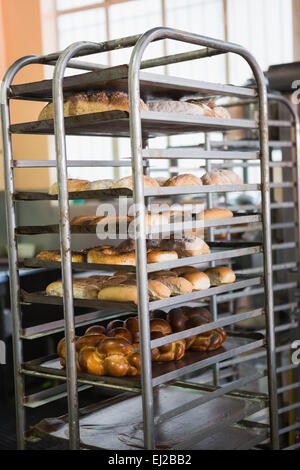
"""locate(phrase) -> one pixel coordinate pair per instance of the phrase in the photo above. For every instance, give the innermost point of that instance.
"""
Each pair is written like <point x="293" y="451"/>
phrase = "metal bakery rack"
<point x="170" y="411"/>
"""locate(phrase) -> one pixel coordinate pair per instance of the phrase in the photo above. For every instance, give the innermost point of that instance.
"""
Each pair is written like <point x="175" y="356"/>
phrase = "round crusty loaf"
<point x="177" y="285"/>
<point x="220" y="275"/>
<point x="157" y="290"/>
<point x="127" y="182"/>
<point x="199" y="280"/>
<point x="220" y="177"/>
<point x="187" y="246"/>
<point x="54" y="255"/>
<point x="158" y="256"/>
<point x="96" y="102"/>
<point x="73" y="186"/>
<point x="186" y="179"/>
<point x="175" y="107"/>
<point x="217" y="213"/>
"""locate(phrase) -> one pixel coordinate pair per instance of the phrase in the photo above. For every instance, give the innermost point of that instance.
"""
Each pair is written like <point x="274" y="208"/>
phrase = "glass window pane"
<point x="68" y="4"/>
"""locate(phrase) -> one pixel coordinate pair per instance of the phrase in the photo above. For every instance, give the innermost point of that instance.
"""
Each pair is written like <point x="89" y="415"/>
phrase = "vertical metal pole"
<point x="65" y="239"/>
<point x="12" y="246"/>
<point x="267" y="238"/>
<point x="141" y="257"/>
<point x="211" y="238"/>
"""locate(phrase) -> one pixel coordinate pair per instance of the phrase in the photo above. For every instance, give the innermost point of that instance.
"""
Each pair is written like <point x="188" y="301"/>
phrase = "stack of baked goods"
<point x="106" y="100"/>
<point x="122" y="286"/>
<point x="158" y="251"/>
<point x="113" y="350"/>
<point x="215" y="177"/>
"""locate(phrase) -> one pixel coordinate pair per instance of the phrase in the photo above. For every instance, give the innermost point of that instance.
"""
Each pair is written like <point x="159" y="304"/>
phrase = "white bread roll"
<point x="199" y="280"/>
<point x="220" y="275"/>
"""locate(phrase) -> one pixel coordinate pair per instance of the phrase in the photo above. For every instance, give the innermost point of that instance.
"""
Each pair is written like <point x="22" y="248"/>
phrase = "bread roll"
<point x="74" y="185"/>
<point x="162" y="273"/>
<point x="175" y="107"/>
<point x="220" y="275"/>
<point x="221" y="177"/>
<point x="177" y="285"/>
<point x="95" y="330"/>
<point x="127" y="292"/>
<point x="159" y="256"/>
<point x="81" y="289"/>
<point x="199" y="280"/>
<point x="217" y="213"/>
<point x="185" y="179"/>
<point x="127" y="182"/>
<point x="98" y="257"/>
<point x="54" y="255"/>
<point x="96" y="102"/>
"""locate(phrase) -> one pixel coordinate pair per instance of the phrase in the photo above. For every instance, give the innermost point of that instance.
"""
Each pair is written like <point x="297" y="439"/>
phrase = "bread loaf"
<point x="127" y="182"/>
<point x="98" y="257"/>
<point x="100" y="184"/>
<point x="159" y="256"/>
<point x="199" y="280"/>
<point x="95" y="102"/>
<point x="177" y="285"/>
<point x="185" y="179"/>
<point x="220" y="275"/>
<point x="210" y="109"/>
<point x="54" y="255"/>
<point x="221" y="177"/>
<point x="127" y="292"/>
<point x="175" y="107"/>
<point x="81" y="289"/>
<point x="74" y="185"/>
<point x="217" y="213"/>
<point x="187" y="246"/>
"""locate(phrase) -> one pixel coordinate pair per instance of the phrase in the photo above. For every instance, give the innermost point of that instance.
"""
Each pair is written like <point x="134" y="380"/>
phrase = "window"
<point x="270" y="41"/>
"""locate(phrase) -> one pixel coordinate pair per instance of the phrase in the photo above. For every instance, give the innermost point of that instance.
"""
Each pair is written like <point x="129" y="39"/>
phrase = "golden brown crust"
<point x="220" y="275"/>
<point x="217" y="213"/>
<point x="158" y="256"/>
<point x="54" y="255"/>
<point x="95" y="330"/>
<point x="185" y="179"/>
<point x="120" y="293"/>
<point x="95" y="102"/>
<point x="95" y="256"/>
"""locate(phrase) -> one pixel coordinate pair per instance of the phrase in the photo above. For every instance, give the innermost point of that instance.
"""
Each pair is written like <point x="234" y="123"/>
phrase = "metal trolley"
<point x="139" y="126"/>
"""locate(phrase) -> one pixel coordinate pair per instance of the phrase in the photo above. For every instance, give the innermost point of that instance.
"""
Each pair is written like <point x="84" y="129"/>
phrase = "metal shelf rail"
<point x="138" y="126"/>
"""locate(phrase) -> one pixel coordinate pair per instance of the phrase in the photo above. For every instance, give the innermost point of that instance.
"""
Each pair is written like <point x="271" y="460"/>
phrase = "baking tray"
<point x="151" y="230"/>
<point x="162" y="372"/>
<point x="153" y="86"/>
<point x="116" y="124"/>
<point x="240" y="283"/>
<point x="117" y="423"/>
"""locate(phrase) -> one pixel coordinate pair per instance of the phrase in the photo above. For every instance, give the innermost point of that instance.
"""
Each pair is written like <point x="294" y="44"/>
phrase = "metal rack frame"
<point x="64" y="59"/>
